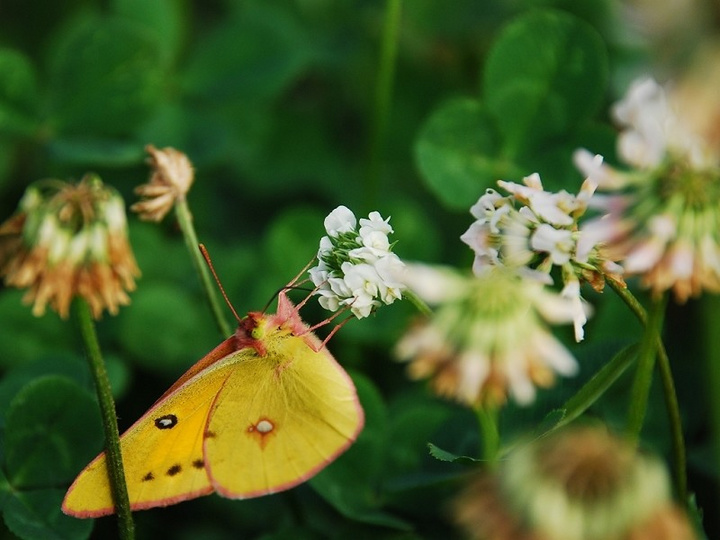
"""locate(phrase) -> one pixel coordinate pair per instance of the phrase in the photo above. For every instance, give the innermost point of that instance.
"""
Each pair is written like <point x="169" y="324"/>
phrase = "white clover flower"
<point x="579" y="483"/>
<point x="645" y="112"/>
<point x="532" y="230"/>
<point x="488" y="338"/>
<point x="356" y="269"/>
<point x="375" y="223"/>
<point x="558" y="243"/>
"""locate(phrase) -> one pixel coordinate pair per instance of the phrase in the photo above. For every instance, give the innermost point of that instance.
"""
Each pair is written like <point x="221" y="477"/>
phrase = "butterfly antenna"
<point x="206" y="256"/>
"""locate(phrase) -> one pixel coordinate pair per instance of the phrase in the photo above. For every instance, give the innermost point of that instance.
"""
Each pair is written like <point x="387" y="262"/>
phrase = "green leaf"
<point x="105" y="77"/>
<point x="592" y="390"/>
<point x="18" y="94"/>
<point x="350" y="483"/>
<point x="36" y="514"/>
<point x="696" y="516"/>
<point x="65" y="365"/>
<point x="96" y="151"/>
<point x="252" y="57"/>
<point x="292" y="241"/>
<point x="160" y="256"/>
<point x="412" y="425"/>
<point x="546" y="72"/>
<point x="444" y="455"/>
<point x="24" y="337"/>
<point x="165" y="18"/>
<point x="456" y="153"/>
<point x="52" y="429"/>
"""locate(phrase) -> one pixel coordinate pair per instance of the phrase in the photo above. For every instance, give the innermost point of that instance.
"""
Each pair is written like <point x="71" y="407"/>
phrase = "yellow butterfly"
<point x="262" y="412"/>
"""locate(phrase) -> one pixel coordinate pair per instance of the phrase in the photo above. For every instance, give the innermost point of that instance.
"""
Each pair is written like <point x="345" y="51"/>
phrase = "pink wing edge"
<point x="218" y="353"/>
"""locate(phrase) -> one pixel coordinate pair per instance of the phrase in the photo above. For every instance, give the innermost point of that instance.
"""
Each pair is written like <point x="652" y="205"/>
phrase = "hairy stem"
<point x="109" y="419"/>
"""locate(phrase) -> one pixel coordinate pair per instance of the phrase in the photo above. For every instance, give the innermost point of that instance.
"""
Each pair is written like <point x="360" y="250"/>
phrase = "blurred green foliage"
<point x="273" y="102"/>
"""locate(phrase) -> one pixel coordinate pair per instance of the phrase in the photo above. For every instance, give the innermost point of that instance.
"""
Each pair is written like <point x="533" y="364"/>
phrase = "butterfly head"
<point x="257" y="328"/>
<point x="251" y="332"/>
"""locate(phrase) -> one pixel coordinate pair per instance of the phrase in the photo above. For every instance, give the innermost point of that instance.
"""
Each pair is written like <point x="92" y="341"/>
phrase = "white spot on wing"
<point x="264" y="426"/>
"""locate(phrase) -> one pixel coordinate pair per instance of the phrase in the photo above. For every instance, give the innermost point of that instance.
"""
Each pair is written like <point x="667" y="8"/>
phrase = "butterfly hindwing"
<point x="279" y="419"/>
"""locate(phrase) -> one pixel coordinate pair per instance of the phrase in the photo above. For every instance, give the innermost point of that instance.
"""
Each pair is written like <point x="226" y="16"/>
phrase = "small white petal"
<point x="557" y="242"/>
<point x="341" y="220"/>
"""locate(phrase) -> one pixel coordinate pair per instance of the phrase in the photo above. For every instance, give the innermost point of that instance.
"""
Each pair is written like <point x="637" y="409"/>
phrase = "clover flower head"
<point x="533" y="230"/>
<point x="660" y="218"/>
<point x="356" y="267"/>
<point x="488" y="337"/>
<point x="70" y="240"/>
<point x="582" y="482"/>
<point x="171" y="178"/>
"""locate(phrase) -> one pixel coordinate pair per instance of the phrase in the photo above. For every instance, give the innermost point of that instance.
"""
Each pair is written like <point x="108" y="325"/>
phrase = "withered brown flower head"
<point x="69" y="240"/>
<point x="580" y="484"/>
<point x="171" y="178"/>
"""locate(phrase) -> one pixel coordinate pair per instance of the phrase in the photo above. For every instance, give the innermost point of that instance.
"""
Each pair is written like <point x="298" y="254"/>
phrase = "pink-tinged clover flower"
<point x="662" y="216"/>
<point x="488" y="337"/>
<point x="532" y="231"/>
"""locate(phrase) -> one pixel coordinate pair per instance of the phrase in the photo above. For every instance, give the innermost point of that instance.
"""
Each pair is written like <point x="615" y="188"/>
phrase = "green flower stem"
<point x="669" y="393"/>
<point x="643" y="374"/>
<point x="185" y="220"/>
<point x="109" y="420"/>
<point x="710" y="304"/>
<point x="489" y="433"/>
<point x="383" y="95"/>
<point x="416" y="301"/>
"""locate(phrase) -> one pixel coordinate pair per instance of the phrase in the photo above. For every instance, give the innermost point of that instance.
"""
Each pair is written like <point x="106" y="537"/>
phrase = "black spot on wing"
<point x="209" y="434"/>
<point x="168" y="421"/>
<point x="198" y="463"/>
<point x="149" y="476"/>
<point x="175" y="469"/>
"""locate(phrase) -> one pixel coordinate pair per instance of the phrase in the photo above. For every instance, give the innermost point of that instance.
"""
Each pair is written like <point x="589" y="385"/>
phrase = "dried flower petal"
<point x="171" y="178"/>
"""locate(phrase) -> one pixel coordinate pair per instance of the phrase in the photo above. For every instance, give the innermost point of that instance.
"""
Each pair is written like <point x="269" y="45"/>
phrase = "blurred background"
<point x="276" y="104"/>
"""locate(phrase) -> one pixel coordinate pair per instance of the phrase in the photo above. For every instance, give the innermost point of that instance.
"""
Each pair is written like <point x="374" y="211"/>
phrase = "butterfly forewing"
<point x="162" y="452"/>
